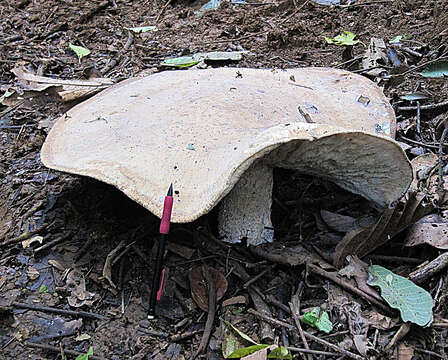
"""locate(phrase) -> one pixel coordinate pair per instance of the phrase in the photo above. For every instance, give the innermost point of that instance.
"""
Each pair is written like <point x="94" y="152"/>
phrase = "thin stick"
<point x="398" y="259"/>
<point x="428" y="352"/>
<point x="294" y="312"/>
<point x="443" y="57"/>
<point x="52" y="243"/>
<point x="83" y="314"/>
<point x="344" y="284"/>
<point x="116" y="59"/>
<point x="211" y="312"/>
<point x="419" y="128"/>
<point x="58" y="350"/>
<point x="307" y="351"/>
<point x="162" y="10"/>
<point x="423" y="107"/>
<point x="425" y="272"/>
<point x="435" y="146"/>
<point x="255" y="278"/>
<point x="442" y="140"/>
<point x="26" y="235"/>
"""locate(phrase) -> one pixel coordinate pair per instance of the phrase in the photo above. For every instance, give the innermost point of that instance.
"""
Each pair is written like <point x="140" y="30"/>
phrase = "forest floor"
<point x="76" y="222"/>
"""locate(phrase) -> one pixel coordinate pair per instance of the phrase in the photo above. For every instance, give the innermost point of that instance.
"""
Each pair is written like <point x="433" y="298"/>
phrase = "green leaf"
<point x="438" y="69"/>
<point x="319" y="319"/>
<point x="415" y="304"/>
<point x="397" y="39"/>
<point x="43" y="289"/>
<point x="86" y="355"/>
<point x="142" y="29"/>
<point x="187" y="61"/>
<point x="237" y="310"/>
<point x="323" y="323"/>
<point x="414" y="96"/>
<point x="240" y="333"/>
<point x="239" y="353"/>
<point x="79" y="51"/>
<point x="280" y="353"/>
<point x="181" y="62"/>
<point x="213" y="5"/>
<point x="229" y="344"/>
<point x="346" y="39"/>
<point x="311" y="317"/>
<point x="5" y="95"/>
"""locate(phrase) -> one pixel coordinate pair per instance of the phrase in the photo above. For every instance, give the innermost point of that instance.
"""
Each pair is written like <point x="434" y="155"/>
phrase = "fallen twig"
<point x="266" y="332"/>
<point x="260" y="275"/>
<point x="211" y="312"/>
<point x="117" y="58"/>
<point x="294" y="306"/>
<point x="308" y="335"/>
<point x="162" y="10"/>
<point x="307" y="351"/>
<point x="434" y="146"/>
<point x="425" y="272"/>
<point x="429" y="352"/>
<point x="26" y="235"/>
<point x="58" y="350"/>
<point x="443" y="57"/>
<point x="398" y="259"/>
<point x="423" y="107"/>
<point x="400" y="334"/>
<point x="83" y="314"/>
<point x="52" y="243"/>
<point x="346" y="285"/>
<point x="442" y="140"/>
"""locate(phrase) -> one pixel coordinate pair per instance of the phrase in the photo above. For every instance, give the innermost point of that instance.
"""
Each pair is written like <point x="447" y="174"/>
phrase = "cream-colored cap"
<point x="201" y="129"/>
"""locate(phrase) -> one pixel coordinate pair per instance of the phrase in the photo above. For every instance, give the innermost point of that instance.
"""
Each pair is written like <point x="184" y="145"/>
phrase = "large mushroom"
<point x="217" y="134"/>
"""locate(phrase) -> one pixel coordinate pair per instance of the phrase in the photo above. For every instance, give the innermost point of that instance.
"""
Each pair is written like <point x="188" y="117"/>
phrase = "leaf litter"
<point x="86" y="206"/>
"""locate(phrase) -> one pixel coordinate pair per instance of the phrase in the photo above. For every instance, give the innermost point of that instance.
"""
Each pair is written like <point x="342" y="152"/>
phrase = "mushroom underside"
<point x="353" y="162"/>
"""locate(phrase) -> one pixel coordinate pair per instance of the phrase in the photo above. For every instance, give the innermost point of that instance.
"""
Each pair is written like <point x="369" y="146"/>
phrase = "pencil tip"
<point x="170" y="191"/>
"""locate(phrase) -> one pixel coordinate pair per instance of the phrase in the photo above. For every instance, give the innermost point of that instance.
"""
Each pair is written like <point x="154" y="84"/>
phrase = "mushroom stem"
<point x="245" y="213"/>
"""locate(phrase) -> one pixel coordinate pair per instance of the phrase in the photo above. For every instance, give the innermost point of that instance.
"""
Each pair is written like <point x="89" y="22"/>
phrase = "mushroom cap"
<point x="201" y="129"/>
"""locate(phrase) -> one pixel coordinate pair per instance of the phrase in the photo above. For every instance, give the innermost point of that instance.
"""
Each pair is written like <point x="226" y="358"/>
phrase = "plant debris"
<point x="62" y="296"/>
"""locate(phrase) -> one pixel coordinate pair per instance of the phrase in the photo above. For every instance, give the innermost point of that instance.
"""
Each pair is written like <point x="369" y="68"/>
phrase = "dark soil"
<point x="90" y="218"/>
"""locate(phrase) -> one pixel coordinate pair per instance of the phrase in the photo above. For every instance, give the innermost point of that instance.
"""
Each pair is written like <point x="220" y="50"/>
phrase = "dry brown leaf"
<point x="68" y="90"/>
<point x="79" y="296"/>
<point x="379" y="321"/>
<point x="2" y="281"/>
<point x="362" y="241"/>
<point x="293" y="255"/>
<point x="362" y="343"/>
<point x="421" y="166"/>
<point x="234" y="301"/>
<point x="426" y="169"/>
<point x="404" y="352"/>
<point x="58" y="265"/>
<point x="358" y="269"/>
<point x="32" y="273"/>
<point x="337" y="222"/>
<point x="199" y="289"/>
<point x="183" y="251"/>
<point x="431" y="229"/>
